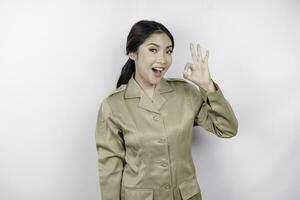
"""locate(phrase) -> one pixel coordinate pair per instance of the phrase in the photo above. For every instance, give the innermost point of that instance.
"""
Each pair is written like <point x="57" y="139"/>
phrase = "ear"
<point x="132" y="55"/>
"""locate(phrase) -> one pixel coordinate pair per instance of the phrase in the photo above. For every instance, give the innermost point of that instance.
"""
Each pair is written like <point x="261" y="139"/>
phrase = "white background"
<point x="59" y="59"/>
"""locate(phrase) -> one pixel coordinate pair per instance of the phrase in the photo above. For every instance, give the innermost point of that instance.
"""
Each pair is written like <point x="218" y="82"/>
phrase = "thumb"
<point x="187" y="70"/>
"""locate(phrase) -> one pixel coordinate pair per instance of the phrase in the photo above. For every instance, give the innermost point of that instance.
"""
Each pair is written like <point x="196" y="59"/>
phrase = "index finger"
<point x="193" y="52"/>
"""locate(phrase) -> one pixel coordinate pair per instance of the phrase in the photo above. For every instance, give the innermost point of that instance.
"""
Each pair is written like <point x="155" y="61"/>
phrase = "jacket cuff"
<point x="211" y="96"/>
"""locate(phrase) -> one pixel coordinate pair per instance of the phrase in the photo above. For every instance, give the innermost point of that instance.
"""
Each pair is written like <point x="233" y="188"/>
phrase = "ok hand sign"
<point x="198" y="71"/>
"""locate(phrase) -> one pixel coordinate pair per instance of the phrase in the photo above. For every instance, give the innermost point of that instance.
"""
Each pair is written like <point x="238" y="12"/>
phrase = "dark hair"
<point x="139" y="32"/>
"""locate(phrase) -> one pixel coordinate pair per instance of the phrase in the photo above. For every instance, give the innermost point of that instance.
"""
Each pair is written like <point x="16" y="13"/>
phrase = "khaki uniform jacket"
<point x="144" y="144"/>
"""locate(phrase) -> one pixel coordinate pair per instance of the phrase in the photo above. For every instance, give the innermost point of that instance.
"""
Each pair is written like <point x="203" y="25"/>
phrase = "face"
<point x="153" y="59"/>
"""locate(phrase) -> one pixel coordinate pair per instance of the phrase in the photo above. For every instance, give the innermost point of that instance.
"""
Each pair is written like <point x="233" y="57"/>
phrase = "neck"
<point x="147" y="88"/>
<point x="144" y="85"/>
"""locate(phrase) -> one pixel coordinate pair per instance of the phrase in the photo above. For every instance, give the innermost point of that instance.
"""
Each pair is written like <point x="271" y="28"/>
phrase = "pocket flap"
<point x="138" y="194"/>
<point x="189" y="188"/>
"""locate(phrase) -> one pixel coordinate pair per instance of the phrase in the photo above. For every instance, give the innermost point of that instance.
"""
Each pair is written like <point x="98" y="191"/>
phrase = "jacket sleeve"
<point x="111" y="153"/>
<point x="214" y="112"/>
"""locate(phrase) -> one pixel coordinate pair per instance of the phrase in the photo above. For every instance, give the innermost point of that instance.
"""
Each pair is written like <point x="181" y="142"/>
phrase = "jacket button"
<point x="166" y="186"/>
<point x="162" y="140"/>
<point x="164" y="164"/>
<point x="156" y="118"/>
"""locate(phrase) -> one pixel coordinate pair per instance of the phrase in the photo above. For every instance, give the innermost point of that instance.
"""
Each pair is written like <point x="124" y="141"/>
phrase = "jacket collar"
<point x="134" y="90"/>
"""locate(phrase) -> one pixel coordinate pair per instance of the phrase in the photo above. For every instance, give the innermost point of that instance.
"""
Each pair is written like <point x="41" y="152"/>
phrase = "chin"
<point x="157" y="80"/>
<point x="154" y="80"/>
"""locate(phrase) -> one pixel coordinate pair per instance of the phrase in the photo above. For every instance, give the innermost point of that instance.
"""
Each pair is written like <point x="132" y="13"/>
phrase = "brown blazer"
<point x="144" y="144"/>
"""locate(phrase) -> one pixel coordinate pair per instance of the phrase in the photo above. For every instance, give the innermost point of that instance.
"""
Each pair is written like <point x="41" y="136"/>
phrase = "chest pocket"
<point x="138" y="194"/>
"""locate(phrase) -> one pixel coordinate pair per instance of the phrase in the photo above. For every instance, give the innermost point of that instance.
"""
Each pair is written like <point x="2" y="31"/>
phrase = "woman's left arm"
<point x="214" y="112"/>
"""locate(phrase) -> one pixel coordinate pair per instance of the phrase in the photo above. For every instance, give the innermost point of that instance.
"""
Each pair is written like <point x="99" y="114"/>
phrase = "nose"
<point x="162" y="58"/>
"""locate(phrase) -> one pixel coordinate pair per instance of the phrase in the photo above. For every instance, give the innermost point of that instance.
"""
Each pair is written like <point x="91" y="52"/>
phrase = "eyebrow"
<point x="158" y="45"/>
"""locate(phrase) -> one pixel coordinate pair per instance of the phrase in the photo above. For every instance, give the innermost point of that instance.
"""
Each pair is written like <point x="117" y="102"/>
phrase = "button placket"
<point x="164" y="162"/>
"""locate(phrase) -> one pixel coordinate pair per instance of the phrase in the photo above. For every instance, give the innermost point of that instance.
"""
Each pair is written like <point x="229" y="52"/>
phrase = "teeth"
<point x="158" y="68"/>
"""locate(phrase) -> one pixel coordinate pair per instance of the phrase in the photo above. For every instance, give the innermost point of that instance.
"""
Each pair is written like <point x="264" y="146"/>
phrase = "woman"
<point x="144" y="127"/>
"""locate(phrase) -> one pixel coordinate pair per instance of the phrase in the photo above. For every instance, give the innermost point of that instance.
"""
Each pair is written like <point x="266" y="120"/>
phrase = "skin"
<point x="149" y="56"/>
<point x="160" y="55"/>
<point x="200" y="74"/>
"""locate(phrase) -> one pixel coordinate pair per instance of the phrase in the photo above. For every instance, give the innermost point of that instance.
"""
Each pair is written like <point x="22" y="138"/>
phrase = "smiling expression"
<point x="152" y="59"/>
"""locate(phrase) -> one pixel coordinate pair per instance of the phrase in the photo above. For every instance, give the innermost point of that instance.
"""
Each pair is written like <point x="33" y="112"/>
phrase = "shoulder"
<point x="108" y="103"/>
<point x="175" y="80"/>
<point x="181" y="83"/>
<point x="115" y="99"/>
<point x="112" y="98"/>
<point x="117" y="90"/>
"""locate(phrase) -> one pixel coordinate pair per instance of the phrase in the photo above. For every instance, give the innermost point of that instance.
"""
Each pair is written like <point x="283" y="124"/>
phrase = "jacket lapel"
<point x="134" y="90"/>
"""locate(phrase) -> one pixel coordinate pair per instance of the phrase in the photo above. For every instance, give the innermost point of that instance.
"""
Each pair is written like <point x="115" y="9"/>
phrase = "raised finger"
<point x="188" y="66"/>
<point x="206" y="56"/>
<point x="193" y="52"/>
<point x="199" y="53"/>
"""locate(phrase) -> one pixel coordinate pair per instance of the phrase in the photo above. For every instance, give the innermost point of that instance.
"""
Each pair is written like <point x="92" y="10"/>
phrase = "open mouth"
<point x="157" y="71"/>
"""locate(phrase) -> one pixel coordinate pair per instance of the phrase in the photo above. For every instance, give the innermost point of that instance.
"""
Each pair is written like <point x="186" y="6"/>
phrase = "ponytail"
<point x="126" y="72"/>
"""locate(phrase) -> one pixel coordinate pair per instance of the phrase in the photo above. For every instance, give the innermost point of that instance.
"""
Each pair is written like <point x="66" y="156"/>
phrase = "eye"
<point x="152" y="50"/>
<point x="170" y="51"/>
